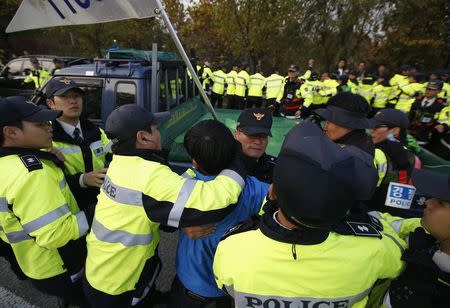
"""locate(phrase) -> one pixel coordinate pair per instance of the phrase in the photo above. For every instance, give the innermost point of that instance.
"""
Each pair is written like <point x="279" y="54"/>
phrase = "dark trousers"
<point x="98" y="299"/>
<point x="240" y="102"/>
<point x="216" y="98"/>
<point x="254" y="101"/>
<point x="182" y="297"/>
<point x="62" y="287"/>
<point x="149" y="273"/>
<point x="231" y="102"/>
<point x="271" y="104"/>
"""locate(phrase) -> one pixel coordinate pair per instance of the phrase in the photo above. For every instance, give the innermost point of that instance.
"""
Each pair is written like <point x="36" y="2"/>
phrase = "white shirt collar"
<point x="69" y="129"/>
<point x="428" y="102"/>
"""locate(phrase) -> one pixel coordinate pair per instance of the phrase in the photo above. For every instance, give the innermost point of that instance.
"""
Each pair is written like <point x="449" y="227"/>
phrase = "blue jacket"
<point x="195" y="257"/>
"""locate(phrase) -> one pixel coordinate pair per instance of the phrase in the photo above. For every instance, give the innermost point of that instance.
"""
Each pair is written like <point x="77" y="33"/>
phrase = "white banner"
<point x="35" y="14"/>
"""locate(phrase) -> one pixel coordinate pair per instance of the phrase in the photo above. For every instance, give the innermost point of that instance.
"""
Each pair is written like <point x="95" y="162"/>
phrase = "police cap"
<point x="60" y="85"/>
<point x="435" y="85"/>
<point x="17" y="108"/>
<point x="391" y="118"/>
<point x="432" y="184"/>
<point x="255" y="121"/>
<point x="293" y="68"/>
<point x="124" y="122"/>
<point x="343" y="117"/>
<point x="317" y="181"/>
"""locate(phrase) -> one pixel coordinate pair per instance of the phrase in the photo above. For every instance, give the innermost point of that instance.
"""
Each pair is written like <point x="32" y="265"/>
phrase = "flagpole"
<point x="184" y="56"/>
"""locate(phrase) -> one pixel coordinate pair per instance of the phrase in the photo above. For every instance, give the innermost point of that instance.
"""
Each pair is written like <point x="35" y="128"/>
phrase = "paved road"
<point x="16" y="293"/>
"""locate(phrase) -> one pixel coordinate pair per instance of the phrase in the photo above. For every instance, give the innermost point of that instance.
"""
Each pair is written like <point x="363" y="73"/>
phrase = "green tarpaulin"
<point x="186" y="115"/>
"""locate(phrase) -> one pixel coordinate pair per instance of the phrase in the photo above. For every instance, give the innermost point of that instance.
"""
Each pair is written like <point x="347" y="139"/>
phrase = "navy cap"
<point x="344" y="117"/>
<point x="432" y="184"/>
<point x="293" y="67"/>
<point x="390" y="117"/>
<point x="34" y="60"/>
<point x="435" y="85"/>
<point x="255" y="121"/>
<point x="17" y="108"/>
<point x="124" y="122"/>
<point x="341" y="177"/>
<point x="60" y="85"/>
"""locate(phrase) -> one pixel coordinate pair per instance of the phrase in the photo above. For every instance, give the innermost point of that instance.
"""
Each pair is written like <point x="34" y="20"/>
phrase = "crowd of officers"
<point x="81" y="208"/>
<point x="424" y="97"/>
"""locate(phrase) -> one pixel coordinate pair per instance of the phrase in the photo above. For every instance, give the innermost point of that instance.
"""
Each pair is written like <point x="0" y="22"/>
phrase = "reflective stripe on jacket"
<point x="38" y="214"/>
<point x="138" y="194"/>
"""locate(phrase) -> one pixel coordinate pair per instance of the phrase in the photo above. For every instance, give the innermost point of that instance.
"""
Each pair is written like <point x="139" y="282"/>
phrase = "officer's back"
<point x="304" y="251"/>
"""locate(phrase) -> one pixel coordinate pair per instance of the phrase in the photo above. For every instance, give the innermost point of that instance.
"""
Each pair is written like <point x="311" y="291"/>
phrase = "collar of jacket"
<point x="359" y="139"/>
<point x="6" y="151"/>
<point x="399" y="156"/>
<point x="252" y="164"/>
<point x="91" y="132"/>
<point x="151" y="155"/>
<point x="272" y="230"/>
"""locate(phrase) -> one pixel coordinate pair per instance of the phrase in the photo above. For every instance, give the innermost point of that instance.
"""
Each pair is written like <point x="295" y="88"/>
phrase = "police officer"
<point x="218" y="78"/>
<point x="58" y="65"/>
<point x="242" y="81"/>
<point x="84" y="147"/>
<point x="39" y="217"/>
<point x="273" y="261"/>
<point x="274" y="90"/>
<point x="426" y="280"/>
<point x="206" y="74"/>
<point x="389" y="129"/>
<point x="140" y="192"/>
<point x="38" y="75"/>
<point x="231" y="87"/>
<point x="253" y="131"/>
<point x="255" y="89"/>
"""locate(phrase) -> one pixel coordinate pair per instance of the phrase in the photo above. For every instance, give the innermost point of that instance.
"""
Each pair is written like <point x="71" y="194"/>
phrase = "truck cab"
<point x="122" y="78"/>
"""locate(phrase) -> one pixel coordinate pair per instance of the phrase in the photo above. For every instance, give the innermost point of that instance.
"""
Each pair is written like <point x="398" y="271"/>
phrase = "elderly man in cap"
<point x="426" y="280"/>
<point x="291" y="101"/>
<point x="273" y="261"/>
<point x="389" y="130"/>
<point x="253" y="131"/>
<point x="140" y="192"/>
<point x="425" y="112"/>
<point x="83" y="147"/>
<point x="40" y="221"/>
<point x="345" y="123"/>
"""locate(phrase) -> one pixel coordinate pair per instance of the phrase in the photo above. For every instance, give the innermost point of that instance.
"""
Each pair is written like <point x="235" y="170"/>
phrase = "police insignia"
<point x="363" y="229"/>
<point x="258" y="116"/>
<point x="31" y="162"/>
<point x="65" y="81"/>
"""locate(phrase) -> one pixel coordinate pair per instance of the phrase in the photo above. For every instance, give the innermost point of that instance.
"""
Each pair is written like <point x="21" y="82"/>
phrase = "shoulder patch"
<point x="363" y="229"/>
<point x="376" y="222"/>
<point x="250" y="224"/>
<point x="31" y="162"/>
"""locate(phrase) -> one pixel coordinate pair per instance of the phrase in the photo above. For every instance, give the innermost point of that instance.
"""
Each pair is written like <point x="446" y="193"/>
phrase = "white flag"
<point x="35" y="14"/>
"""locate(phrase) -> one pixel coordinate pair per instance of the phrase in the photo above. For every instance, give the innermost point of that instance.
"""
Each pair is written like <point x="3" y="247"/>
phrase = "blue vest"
<point x="195" y="257"/>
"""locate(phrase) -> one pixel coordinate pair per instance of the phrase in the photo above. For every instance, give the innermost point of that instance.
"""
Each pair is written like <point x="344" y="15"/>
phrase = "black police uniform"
<point x="84" y="196"/>
<point x="261" y="168"/>
<point x="256" y="121"/>
<point x="400" y="161"/>
<point x="423" y="283"/>
<point x="290" y="104"/>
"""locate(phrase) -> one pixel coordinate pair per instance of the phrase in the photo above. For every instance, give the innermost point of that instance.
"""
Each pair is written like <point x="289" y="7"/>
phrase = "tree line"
<point x="266" y="33"/>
